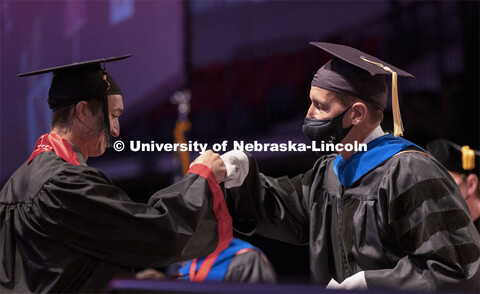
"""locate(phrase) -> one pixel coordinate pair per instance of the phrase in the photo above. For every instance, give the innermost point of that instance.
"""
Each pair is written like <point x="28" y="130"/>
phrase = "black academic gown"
<point x="250" y="267"/>
<point x="404" y="223"/>
<point x="67" y="228"/>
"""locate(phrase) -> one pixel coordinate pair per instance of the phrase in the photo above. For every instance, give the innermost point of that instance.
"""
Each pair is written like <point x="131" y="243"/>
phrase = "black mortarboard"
<point x="81" y="81"/>
<point x="455" y="158"/>
<point x="361" y="75"/>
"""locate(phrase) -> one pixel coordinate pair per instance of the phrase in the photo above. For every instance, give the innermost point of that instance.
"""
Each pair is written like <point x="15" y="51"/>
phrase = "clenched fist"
<point x="214" y="162"/>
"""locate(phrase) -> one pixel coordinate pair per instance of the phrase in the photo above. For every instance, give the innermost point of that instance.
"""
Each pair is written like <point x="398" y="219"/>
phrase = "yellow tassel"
<point x="397" y="117"/>
<point x="468" y="158"/>
<point x="106" y="81"/>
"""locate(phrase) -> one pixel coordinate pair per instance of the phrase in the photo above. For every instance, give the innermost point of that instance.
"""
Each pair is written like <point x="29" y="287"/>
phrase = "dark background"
<point x="248" y="67"/>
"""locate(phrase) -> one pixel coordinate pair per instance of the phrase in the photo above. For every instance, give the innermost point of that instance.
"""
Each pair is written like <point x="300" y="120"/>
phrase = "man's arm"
<point x="273" y="207"/>
<point x="81" y="208"/>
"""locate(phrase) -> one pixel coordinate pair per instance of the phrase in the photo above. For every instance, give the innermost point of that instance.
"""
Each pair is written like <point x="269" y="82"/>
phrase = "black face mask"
<point x="326" y="130"/>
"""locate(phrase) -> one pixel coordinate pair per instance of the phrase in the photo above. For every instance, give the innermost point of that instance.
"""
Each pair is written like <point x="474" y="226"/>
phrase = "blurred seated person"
<point x="241" y="262"/>
<point x="463" y="164"/>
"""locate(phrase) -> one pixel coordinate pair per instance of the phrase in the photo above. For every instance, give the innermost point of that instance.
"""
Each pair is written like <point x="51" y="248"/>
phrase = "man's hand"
<point x="150" y="274"/>
<point x="214" y="162"/>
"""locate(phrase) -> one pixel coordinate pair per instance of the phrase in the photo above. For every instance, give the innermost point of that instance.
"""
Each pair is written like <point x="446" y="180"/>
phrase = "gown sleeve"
<point x="82" y="209"/>
<point x="272" y="207"/>
<point x="431" y="224"/>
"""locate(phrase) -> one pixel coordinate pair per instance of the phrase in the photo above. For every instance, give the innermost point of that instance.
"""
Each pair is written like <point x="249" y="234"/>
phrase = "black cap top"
<point x="355" y="73"/>
<point x="455" y="158"/>
<point x="79" y="81"/>
<point x="74" y="66"/>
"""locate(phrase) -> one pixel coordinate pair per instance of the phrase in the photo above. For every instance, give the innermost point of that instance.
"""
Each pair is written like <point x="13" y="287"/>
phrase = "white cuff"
<point x="334" y="285"/>
<point x="355" y="282"/>
<point x="236" y="163"/>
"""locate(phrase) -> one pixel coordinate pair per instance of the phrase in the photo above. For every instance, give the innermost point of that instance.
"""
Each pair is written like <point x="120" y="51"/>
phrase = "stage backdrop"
<point x="40" y="34"/>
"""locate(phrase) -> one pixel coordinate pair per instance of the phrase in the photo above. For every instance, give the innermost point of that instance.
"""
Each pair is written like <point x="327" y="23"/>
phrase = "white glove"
<point x="236" y="163"/>
<point x="357" y="282"/>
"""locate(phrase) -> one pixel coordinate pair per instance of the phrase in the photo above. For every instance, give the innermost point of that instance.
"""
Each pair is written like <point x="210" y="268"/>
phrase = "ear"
<point x="359" y="113"/>
<point x="472" y="184"/>
<point x="82" y="109"/>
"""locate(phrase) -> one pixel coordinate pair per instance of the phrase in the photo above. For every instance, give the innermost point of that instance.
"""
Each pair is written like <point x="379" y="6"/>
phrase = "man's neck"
<point x="77" y="146"/>
<point x="364" y="137"/>
<point x="377" y="132"/>
<point x="474" y="206"/>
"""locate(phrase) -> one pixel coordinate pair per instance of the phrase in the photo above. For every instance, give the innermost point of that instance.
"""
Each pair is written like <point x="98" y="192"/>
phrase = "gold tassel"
<point x="106" y="81"/>
<point x="397" y="117"/>
<point x="468" y="158"/>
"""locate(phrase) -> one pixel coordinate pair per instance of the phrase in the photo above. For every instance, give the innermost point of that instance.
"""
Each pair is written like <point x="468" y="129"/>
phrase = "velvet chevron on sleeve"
<point x="404" y="222"/>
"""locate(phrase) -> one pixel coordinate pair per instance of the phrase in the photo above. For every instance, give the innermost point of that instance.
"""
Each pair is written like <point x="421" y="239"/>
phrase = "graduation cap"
<point x="361" y="75"/>
<point x="81" y="81"/>
<point x="455" y="158"/>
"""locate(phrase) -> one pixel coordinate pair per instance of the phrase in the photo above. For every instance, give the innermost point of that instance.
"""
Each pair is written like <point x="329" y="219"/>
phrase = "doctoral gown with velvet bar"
<point x="404" y="223"/>
<point x="67" y="228"/>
